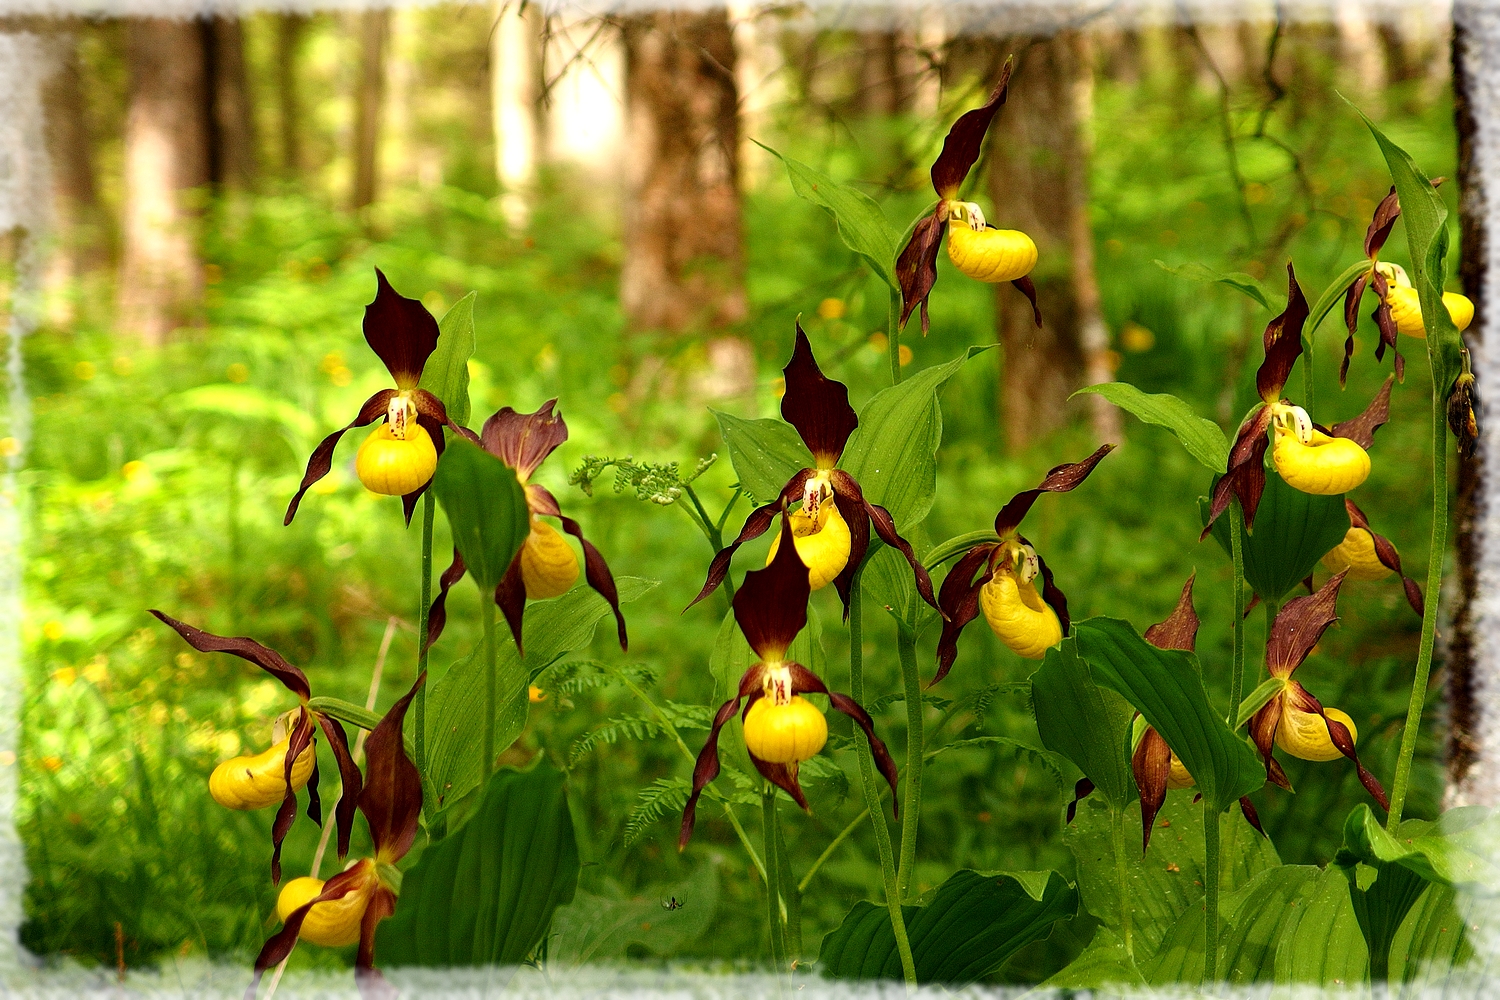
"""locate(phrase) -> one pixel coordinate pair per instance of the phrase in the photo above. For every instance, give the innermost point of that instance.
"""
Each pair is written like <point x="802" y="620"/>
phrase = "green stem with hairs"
<point x="420" y="702"/>
<point x="491" y="679"/>
<point x="773" y="878"/>
<point x="1210" y="893"/>
<point x="1117" y="834"/>
<point x="911" y="808"/>
<point x="893" y="335"/>
<point x="1430" y="607"/>
<point x="869" y="783"/>
<point x="1237" y="552"/>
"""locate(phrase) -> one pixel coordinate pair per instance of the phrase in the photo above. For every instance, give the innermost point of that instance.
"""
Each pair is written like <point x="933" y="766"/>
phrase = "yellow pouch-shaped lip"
<point x="823" y="548"/>
<point x="1326" y="466"/>
<point x="1305" y="734"/>
<point x="259" y="781"/>
<point x="548" y="566"/>
<point x="992" y="255"/>
<point x="1019" y="616"/>
<point x="1179" y="776"/>
<point x="1356" y="553"/>
<point x="395" y="466"/>
<point x="1406" y="310"/>
<point x="332" y="924"/>
<point x="785" y="734"/>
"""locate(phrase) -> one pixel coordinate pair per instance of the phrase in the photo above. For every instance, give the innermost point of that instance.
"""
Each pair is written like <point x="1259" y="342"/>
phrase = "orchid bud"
<point x="548" y="566"/>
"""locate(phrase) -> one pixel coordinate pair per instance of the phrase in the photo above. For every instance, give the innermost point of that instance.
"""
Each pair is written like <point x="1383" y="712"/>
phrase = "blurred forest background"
<point x="223" y="188"/>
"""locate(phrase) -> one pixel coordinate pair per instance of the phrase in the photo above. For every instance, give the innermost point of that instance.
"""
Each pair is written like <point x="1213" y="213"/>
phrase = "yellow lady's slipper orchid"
<point x="987" y="254"/>
<point x="398" y="457"/>
<point x="822" y="538"/>
<point x="1406" y="310"/>
<point x="548" y="566"/>
<point x="1312" y="461"/>
<point x="258" y="781"/>
<point x="1356" y="557"/>
<point x="786" y="733"/>
<point x="1018" y="615"/>
<point x="335" y="923"/>
<point x="1306" y="734"/>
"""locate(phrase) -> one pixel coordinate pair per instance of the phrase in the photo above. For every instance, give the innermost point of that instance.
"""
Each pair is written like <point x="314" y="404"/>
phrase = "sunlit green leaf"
<point x="1202" y="438"/>
<point x="486" y="509"/>
<point x="765" y="454"/>
<point x="1238" y="280"/>
<point x="446" y="374"/>
<point x="1085" y="723"/>
<point x="1292" y="531"/>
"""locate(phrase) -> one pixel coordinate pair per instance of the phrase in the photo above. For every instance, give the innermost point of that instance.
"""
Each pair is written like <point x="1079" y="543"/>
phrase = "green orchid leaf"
<point x="893" y="451"/>
<point x="1201" y="437"/>
<point x="1238" y="280"/>
<point x="1087" y="724"/>
<point x="861" y="224"/>
<point x="1321" y="943"/>
<point x="596" y="928"/>
<point x="455" y="701"/>
<point x="973" y="924"/>
<point x="1166" y="686"/>
<point x="1433" y="943"/>
<point x="1257" y="699"/>
<point x="487" y="893"/>
<point x="446" y="374"/>
<point x="344" y="711"/>
<point x="765" y="454"/>
<point x="1293" y="530"/>
<point x="1426" y="221"/>
<point x="888" y="581"/>
<point x="486" y="508"/>
<point x="1332" y="295"/>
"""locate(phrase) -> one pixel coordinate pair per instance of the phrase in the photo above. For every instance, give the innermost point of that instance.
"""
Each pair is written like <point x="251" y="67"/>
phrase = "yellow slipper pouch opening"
<point x="548" y="566"/>
<point x="992" y="255"/>
<point x="785" y="734"/>
<point x="258" y="781"/>
<point x="1019" y="616"/>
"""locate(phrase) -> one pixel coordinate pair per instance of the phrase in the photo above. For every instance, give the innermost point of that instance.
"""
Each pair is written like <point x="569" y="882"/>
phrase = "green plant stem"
<point x="420" y="702"/>
<point x="710" y="791"/>
<point x="1210" y="893"/>
<point x="833" y="845"/>
<point x="1237" y="551"/>
<point x="868" y="780"/>
<point x="773" y="877"/>
<point x="1117" y="833"/>
<point x="893" y="335"/>
<point x="491" y="680"/>
<point x="911" y="808"/>
<point x="712" y="531"/>
<point x="1430" y="607"/>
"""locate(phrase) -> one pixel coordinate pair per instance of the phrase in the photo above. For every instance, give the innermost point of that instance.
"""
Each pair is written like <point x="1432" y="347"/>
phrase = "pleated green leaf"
<point x="764" y="453"/>
<point x="446" y="374"/>
<point x="1085" y="723"/>
<point x="486" y="509"/>
<point x="1238" y="280"/>
<point x="1201" y="437"/>
<point x="1292" y="531"/>
<point x="486" y="894"/>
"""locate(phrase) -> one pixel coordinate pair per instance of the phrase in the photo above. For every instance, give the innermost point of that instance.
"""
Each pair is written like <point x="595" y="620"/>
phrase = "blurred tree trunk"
<point x="1038" y="180"/>
<point x="289" y="31"/>
<point x="684" y="265"/>
<point x="233" y="160"/>
<point x="166" y="155"/>
<point x="374" y="28"/>
<point x="515" y="69"/>
<point x="70" y="151"/>
<point x="880" y="84"/>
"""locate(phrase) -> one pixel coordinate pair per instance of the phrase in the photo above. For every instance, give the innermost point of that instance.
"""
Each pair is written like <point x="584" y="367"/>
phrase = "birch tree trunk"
<point x="166" y="156"/>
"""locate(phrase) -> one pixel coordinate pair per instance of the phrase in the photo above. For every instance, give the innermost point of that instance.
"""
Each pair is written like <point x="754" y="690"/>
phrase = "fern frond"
<point x="660" y="798"/>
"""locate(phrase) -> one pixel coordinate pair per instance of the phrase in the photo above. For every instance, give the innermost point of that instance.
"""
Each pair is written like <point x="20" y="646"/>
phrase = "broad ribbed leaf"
<point x="486" y="509"/>
<point x="893" y="452"/>
<point x="1320" y="943"/>
<point x="1293" y="530"/>
<point x="1433" y="942"/>
<point x="595" y="928"/>
<point x="765" y="454"/>
<point x="446" y="374"/>
<point x="861" y="224"/>
<point x="1202" y="438"/>
<point x="486" y="894"/>
<point x="1166" y="686"/>
<point x="455" y="704"/>
<point x="1332" y="295"/>
<point x="1085" y="723"/>
<point x="1238" y="280"/>
<point x="974" y="923"/>
<point x="1426" y="221"/>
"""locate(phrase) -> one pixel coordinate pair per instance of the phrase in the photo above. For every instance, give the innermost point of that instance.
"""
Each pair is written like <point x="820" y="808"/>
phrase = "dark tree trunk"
<point x="233" y="160"/>
<point x="374" y="28"/>
<point x="683" y="256"/>
<point x="166" y="155"/>
<point x="289" y="32"/>
<point x="75" y="195"/>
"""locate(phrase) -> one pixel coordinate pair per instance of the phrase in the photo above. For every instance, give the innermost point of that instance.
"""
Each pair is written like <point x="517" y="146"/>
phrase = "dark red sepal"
<point x="916" y="265"/>
<point x="349" y="777"/>
<point x="391" y="799"/>
<point x="959" y="602"/>
<point x="524" y="440"/>
<point x="1180" y="630"/>
<point x="1248" y="809"/>
<point x="1282" y="341"/>
<point x="321" y="459"/>
<point x="706" y="768"/>
<point x="771" y="604"/>
<point x="1246" y="477"/>
<point x="1361" y="429"/>
<point x="371" y="983"/>
<point x="1387" y="326"/>
<point x="510" y="597"/>
<point x="286" y="813"/>
<point x="966" y="137"/>
<point x="1299" y="625"/>
<point x="401" y="332"/>
<point x="755" y="525"/>
<point x="1052" y="594"/>
<point x="1059" y="479"/>
<point x="783" y="776"/>
<point x="292" y="678"/>
<point x="1384" y="217"/>
<point x="1152" y="765"/>
<point x="1387" y="554"/>
<point x="1263" y="734"/>
<point x="314" y="801"/>
<point x="437" y="615"/>
<point x="1082" y="790"/>
<point x="854" y="515"/>
<point x="816" y="405"/>
<point x="1028" y="289"/>
<point x="1352" y="296"/>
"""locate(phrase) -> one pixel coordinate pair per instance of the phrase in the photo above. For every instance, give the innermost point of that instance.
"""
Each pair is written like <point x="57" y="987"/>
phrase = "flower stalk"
<point x="1210" y="893"/>
<point x="773" y="878"/>
<point x="911" y="808"/>
<point x="1237" y="551"/>
<point x="419" y="740"/>
<point x="893" y="335"/>
<point x="491" y="679"/>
